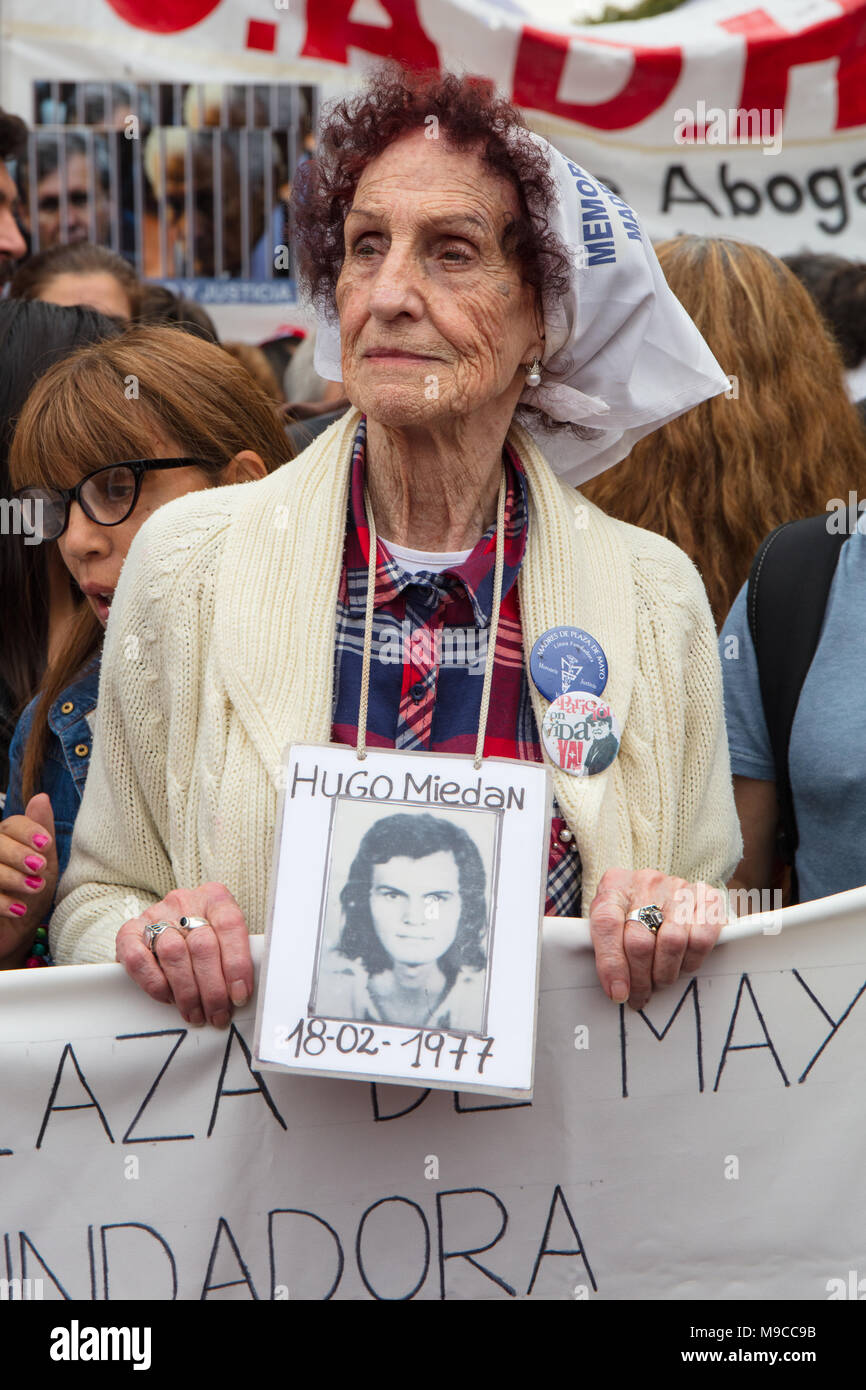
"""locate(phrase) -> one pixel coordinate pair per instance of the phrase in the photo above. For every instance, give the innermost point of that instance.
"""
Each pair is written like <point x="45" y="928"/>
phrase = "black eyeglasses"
<point x="107" y="496"/>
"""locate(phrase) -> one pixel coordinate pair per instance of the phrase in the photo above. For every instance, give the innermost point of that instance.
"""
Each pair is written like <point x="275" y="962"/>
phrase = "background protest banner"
<point x="711" y="1148"/>
<point x="726" y="117"/>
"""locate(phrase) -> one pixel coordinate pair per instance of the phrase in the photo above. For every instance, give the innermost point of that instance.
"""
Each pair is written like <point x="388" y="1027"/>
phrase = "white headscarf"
<point x="621" y="354"/>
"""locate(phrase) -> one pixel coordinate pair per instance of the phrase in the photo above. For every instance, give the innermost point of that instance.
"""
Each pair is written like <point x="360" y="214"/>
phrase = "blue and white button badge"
<point x="566" y="659"/>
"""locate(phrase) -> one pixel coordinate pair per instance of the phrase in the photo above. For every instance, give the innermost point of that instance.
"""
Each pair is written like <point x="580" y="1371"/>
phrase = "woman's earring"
<point x="533" y="373"/>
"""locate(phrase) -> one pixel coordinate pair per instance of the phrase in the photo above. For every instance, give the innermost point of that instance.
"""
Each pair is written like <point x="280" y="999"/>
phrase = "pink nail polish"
<point x="17" y="909"/>
<point x="40" y="841"/>
<point x="35" y="882"/>
<point x="34" y="862"/>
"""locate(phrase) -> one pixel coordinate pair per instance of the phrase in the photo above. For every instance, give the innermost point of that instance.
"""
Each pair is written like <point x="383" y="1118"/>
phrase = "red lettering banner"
<point x="730" y="117"/>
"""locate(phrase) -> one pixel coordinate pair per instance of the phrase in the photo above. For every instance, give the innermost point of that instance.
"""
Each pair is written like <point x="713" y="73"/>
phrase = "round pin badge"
<point x="567" y="658"/>
<point x="581" y="734"/>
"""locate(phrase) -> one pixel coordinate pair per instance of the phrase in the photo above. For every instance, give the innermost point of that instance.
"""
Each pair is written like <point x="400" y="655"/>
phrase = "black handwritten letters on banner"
<point x="149" y="1161"/>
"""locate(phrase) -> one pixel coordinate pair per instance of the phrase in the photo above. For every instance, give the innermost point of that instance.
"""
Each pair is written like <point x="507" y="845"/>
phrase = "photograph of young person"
<point x="414" y="925"/>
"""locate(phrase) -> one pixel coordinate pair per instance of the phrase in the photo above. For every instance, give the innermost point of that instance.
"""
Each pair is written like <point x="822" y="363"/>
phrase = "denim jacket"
<point x="64" y="772"/>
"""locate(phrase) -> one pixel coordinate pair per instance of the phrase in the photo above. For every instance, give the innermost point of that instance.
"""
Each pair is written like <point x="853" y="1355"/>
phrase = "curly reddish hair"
<point x="393" y="103"/>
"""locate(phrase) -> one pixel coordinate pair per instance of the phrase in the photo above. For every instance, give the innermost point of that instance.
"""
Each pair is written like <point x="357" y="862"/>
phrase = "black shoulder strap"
<point x="789" y="584"/>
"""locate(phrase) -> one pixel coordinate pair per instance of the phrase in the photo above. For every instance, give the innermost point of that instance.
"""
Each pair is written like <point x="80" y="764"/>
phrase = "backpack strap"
<point x="789" y="584"/>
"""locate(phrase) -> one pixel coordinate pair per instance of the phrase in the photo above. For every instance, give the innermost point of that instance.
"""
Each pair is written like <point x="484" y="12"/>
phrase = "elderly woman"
<point x="469" y="268"/>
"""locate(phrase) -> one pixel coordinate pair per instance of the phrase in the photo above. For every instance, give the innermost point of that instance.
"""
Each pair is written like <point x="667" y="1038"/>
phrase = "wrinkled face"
<point x="415" y="905"/>
<point x="434" y="317"/>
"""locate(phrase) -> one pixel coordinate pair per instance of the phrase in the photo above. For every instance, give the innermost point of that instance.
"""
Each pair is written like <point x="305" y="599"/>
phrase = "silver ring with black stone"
<point x="650" y="917"/>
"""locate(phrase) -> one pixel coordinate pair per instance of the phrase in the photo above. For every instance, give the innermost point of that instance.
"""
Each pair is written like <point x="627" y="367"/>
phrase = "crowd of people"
<point x="184" y="179"/>
<point x="200" y="557"/>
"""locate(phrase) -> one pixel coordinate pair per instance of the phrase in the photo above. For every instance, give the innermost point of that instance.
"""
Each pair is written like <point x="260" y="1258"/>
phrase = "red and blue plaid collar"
<point x="474" y="576"/>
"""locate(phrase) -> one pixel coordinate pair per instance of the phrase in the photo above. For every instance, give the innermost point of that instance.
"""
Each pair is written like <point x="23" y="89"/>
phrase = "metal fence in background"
<point x="184" y="180"/>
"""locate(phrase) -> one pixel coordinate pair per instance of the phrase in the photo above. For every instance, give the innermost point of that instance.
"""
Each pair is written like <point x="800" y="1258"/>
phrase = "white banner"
<point x="725" y="117"/>
<point x="713" y="1147"/>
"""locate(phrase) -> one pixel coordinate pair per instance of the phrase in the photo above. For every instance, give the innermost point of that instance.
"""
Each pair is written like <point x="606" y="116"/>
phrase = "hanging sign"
<point x="405" y="919"/>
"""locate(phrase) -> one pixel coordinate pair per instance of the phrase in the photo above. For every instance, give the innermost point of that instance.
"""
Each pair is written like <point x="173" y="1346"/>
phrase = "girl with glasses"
<point x="40" y="599"/>
<point x="105" y="439"/>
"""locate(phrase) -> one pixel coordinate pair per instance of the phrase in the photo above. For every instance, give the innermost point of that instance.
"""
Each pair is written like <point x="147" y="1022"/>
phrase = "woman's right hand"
<point x="204" y="972"/>
<point x="28" y="878"/>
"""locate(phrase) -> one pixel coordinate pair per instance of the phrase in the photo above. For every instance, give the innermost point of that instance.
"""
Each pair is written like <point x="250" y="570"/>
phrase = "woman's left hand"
<point x="631" y="959"/>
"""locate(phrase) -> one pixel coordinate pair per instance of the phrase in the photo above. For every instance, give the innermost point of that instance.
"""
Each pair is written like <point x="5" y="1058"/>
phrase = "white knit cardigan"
<point x="220" y="652"/>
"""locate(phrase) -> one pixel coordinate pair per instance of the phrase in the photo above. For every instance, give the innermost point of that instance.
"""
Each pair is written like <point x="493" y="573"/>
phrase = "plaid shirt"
<point x="430" y="638"/>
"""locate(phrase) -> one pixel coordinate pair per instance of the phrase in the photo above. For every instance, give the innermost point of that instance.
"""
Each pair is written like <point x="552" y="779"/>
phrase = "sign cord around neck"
<point x="498" y="569"/>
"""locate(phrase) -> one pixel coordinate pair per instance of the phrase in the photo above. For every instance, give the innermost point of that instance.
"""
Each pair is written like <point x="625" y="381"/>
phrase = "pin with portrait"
<point x="581" y="734"/>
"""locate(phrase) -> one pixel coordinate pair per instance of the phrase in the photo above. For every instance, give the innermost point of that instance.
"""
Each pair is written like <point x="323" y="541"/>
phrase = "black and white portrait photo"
<point x="406" y="930"/>
<point x="406" y="908"/>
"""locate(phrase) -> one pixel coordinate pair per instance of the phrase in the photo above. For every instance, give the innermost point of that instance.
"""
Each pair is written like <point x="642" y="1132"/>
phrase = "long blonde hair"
<point x="782" y="441"/>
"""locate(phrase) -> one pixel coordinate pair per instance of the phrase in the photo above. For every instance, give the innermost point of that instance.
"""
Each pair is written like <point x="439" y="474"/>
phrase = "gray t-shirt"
<point x="827" y="754"/>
